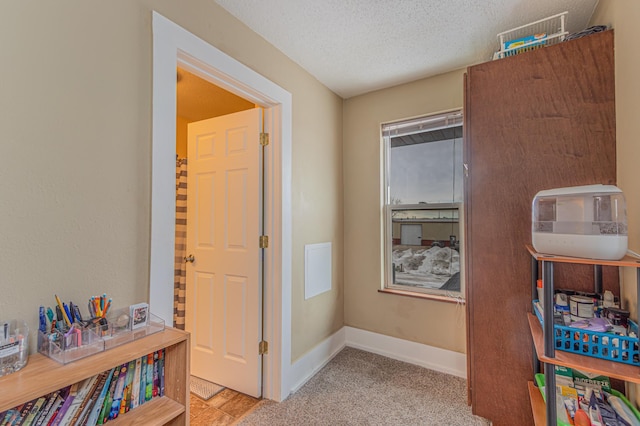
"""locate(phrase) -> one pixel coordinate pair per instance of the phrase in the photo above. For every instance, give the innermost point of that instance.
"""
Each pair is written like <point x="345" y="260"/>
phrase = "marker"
<point x="106" y="308"/>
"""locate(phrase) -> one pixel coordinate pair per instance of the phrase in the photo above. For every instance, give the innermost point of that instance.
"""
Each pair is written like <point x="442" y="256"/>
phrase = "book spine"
<point x="149" y="385"/>
<point x="108" y="399"/>
<point x="156" y="375"/>
<point x="54" y="410"/>
<point x="97" y="407"/>
<point x="67" y="403"/>
<point x="119" y="392"/>
<point x="79" y="402"/>
<point x="161" y="373"/>
<point x="35" y="411"/>
<point x="126" y="397"/>
<point x="24" y="412"/>
<point x="143" y="379"/>
<point x="135" y="388"/>
<point x="11" y="415"/>
<point x="91" y="398"/>
<point x="46" y="408"/>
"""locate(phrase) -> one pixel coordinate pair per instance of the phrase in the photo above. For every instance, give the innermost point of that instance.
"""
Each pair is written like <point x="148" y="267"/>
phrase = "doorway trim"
<point x="174" y="46"/>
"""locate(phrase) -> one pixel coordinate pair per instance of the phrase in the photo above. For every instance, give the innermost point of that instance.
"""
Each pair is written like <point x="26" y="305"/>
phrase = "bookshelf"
<point x="43" y="375"/>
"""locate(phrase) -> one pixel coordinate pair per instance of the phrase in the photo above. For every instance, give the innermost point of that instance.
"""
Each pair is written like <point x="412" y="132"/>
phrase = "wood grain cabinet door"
<point x="539" y="120"/>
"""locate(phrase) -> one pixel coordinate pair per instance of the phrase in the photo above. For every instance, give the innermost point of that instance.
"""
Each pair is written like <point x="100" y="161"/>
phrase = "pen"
<point x="50" y="314"/>
<point x="64" y="314"/>
<point x="68" y="317"/>
<point x="75" y="310"/>
<point x="43" y="321"/>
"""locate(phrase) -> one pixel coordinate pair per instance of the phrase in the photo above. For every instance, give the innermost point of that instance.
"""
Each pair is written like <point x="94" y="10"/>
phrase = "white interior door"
<point x="223" y="289"/>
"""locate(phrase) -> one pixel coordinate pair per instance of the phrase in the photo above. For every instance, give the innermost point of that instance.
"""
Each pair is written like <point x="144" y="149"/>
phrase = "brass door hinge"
<point x="263" y="348"/>
<point x="264" y="241"/>
<point x="264" y="139"/>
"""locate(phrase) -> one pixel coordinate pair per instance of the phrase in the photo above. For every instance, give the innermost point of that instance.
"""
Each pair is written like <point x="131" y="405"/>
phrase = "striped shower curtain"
<point x="180" y="273"/>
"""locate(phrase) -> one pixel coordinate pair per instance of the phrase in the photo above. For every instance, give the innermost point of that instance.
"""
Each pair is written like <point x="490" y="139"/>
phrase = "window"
<point x="423" y="204"/>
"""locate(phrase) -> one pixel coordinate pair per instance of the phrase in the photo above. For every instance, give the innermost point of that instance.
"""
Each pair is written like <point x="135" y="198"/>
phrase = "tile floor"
<point x="223" y="409"/>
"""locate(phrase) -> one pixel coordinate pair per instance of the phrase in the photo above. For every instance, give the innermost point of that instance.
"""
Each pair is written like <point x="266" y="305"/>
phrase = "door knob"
<point x="190" y="258"/>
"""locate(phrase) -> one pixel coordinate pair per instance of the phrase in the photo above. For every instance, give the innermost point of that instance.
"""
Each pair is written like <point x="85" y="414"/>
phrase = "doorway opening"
<point x="175" y="47"/>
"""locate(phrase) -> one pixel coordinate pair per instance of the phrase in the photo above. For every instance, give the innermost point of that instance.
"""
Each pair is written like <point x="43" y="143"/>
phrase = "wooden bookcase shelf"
<point x="545" y="348"/>
<point x="626" y="372"/>
<point x="43" y="375"/>
<point x="537" y="405"/>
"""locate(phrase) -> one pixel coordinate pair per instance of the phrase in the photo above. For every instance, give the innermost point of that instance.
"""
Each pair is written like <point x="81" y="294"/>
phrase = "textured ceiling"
<point x="357" y="46"/>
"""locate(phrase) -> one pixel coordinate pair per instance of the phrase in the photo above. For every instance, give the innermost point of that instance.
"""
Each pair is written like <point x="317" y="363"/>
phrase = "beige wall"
<point x="430" y="231"/>
<point x="75" y="114"/>
<point x="624" y="16"/>
<point x="430" y="322"/>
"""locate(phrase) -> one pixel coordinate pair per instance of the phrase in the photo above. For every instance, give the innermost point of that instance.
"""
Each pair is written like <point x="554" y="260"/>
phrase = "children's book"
<point x="135" y="386"/>
<point x="53" y="411"/>
<point x="119" y="391"/>
<point x="73" y="391"/>
<point x="11" y="416"/>
<point x="156" y="375"/>
<point x="46" y="408"/>
<point x="91" y="398"/>
<point x="108" y="399"/>
<point x="24" y="412"/>
<point x="143" y="379"/>
<point x="79" y="401"/>
<point x="126" y="397"/>
<point x="35" y="411"/>
<point x="149" y="385"/>
<point x="161" y="372"/>
<point x="97" y="406"/>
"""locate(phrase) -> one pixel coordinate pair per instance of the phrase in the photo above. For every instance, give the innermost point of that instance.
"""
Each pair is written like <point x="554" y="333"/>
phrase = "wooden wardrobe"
<point x="539" y="120"/>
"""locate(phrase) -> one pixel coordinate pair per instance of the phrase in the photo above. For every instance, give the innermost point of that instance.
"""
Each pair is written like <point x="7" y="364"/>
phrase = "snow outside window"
<point x="423" y="204"/>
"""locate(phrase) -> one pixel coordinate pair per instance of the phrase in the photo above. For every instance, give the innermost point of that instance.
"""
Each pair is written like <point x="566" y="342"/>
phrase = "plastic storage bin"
<point x="608" y="346"/>
<point x="65" y="346"/>
<point x="118" y="328"/>
<point x="14" y="346"/>
<point x="580" y="221"/>
<point x="540" y="382"/>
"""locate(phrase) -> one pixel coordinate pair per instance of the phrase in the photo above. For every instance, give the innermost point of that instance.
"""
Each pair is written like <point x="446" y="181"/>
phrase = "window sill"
<point x="436" y="297"/>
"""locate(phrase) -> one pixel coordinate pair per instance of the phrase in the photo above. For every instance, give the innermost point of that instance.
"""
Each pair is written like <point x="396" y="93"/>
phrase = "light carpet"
<point x="361" y="388"/>
<point x="202" y="388"/>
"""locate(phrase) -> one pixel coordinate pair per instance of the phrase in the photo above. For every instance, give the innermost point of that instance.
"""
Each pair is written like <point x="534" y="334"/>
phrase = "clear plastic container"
<point x="14" y="346"/>
<point x="68" y="346"/>
<point x="582" y="221"/>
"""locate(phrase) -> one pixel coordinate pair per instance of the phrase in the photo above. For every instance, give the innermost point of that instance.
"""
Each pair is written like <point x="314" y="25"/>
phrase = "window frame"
<point x="388" y="285"/>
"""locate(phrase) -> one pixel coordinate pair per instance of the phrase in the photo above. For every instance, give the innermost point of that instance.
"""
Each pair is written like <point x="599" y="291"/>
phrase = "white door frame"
<point x="174" y="46"/>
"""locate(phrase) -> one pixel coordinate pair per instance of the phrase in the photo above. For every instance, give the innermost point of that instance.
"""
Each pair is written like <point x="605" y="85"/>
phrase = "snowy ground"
<point x="427" y="267"/>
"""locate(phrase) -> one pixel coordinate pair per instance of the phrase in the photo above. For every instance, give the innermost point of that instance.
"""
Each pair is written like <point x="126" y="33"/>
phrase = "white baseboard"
<point x="307" y="366"/>
<point x="430" y="357"/>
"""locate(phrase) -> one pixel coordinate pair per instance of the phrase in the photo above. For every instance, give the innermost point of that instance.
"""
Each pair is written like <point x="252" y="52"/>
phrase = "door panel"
<point x="224" y="287"/>
<point x="528" y="127"/>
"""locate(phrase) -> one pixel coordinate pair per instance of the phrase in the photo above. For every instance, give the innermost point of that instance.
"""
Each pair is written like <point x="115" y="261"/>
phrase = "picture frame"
<point x="139" y="314"/>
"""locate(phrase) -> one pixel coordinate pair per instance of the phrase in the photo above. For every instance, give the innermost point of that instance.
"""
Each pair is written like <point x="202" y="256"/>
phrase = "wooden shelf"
<point x="157" y="411"/>
<point x="537" y="405"/>
<point x="43" y="375"/>
<point x="629" y="261"/>
<point x="627" y="372"/>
